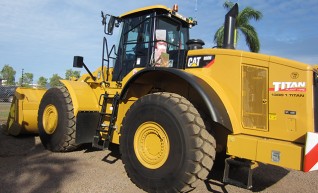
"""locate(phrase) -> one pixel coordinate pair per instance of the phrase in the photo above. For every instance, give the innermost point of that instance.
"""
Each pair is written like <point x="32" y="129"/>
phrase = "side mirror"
<point x="111" y="24"/>
<point x="78" y="62"/>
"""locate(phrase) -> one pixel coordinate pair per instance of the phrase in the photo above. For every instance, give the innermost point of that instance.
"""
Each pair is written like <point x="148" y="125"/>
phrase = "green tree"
<point x="8" y="74"/>
<point x="242" y="26"/>
<point x="72" y="73"/>
<point x="27" y="80"/>
<point x="42" y="82"/>
<point x="55" y="80"/>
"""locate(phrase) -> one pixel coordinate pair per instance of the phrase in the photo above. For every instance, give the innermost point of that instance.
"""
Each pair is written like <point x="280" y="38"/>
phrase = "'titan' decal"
<point x="289" y="86"/>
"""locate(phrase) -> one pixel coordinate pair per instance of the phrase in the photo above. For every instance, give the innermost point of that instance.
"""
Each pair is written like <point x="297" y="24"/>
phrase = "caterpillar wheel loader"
<point x="171" y="104"/>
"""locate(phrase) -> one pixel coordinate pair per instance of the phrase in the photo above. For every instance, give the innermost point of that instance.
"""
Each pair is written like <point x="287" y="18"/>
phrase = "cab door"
<point x="134" y="48"/>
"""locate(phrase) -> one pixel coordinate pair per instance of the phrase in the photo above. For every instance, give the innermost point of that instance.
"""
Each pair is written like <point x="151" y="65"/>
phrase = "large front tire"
<point x="56" y="121"/>
<point x="164" y="144"/>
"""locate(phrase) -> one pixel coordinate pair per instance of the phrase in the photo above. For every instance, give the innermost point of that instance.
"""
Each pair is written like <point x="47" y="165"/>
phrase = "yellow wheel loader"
<point x="171" y="104"/>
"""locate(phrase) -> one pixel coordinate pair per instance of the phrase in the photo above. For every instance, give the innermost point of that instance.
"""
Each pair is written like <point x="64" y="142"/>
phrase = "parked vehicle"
<point x="7" y="93"/>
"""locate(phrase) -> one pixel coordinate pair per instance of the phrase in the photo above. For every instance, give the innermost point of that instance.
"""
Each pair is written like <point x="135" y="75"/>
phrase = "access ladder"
<point x="104" y="132"/>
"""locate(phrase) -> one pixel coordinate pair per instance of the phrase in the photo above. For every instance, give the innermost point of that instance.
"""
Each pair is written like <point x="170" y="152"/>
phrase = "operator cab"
<point x="153" y="36"/>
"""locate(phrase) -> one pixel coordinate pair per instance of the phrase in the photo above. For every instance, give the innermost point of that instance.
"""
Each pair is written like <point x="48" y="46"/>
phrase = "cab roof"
<point x="146" y="9"/>
<point x="157" y="8"/>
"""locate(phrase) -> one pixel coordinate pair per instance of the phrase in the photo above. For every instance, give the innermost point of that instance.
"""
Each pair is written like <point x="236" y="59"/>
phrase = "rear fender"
<point x="86" y="109"/>
<point x="209" y="96"/>
<point x="82" y="95"/>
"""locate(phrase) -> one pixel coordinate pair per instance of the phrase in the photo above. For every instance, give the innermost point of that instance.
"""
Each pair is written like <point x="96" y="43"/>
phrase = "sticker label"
<point x="207" y="58"/>
<point x="272" y="116"/>
<point x="194" y="61"/>
<point x="200" y="61"/>
<point x="289" y="86"/>
<point x="288" y="112"/>
<point x="275" y="156"/>
<point x="288" y="95"/>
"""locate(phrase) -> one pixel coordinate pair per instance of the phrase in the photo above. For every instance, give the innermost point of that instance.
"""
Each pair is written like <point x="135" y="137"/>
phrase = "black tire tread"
<point x="67" y="142"/>
<point x="203" y="153"/>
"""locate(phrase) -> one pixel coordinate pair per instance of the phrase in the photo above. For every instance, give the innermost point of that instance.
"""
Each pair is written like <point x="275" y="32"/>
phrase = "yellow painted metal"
<point x="145" y="9"/>
<point x="269" y="124"/>
<point x="84" y="98"/>
<point x="162" y="7"/>
<point x="24" y="110"/>
<point x="270" y="151"/>
<point x="151" y="145"/>
<point x="12" y="127"/>
<point x="226" y="77"/>
<point x="50" y="119"/>
<point x="280" y="153"/>
<point x="255" y="97"/>
<point x="85" y="94"/>
<point x="242" y="146"/>
<point x="228" y="92"/>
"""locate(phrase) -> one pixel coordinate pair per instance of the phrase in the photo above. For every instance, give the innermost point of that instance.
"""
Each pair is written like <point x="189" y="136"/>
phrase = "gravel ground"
<point x="25" y="166"/>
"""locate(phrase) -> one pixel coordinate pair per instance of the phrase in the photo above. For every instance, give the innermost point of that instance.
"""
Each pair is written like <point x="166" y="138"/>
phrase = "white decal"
<point x="207" y="58"/>
<point x="194" y="61"/>
<point x="289" y="86"/>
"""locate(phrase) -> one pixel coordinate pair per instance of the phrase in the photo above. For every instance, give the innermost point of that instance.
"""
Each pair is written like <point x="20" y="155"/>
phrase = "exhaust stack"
<point x="229" y="27"/>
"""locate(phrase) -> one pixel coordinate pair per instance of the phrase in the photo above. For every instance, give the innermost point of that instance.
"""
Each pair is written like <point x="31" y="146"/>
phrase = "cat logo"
<point x="194" y="61"/>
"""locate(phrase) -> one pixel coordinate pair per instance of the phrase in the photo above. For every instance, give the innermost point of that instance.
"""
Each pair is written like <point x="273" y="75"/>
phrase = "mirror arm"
<point x="89" y="72"/>
<point x="78" y="62"/>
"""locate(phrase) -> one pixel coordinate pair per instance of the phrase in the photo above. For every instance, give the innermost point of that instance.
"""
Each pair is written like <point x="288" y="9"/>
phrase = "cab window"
<point x="176" y="34"/>
<point x="134" y="47"/>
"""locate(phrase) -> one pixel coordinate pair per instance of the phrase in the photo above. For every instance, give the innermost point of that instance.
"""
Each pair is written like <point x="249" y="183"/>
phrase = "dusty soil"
<point x="25" y="166"/>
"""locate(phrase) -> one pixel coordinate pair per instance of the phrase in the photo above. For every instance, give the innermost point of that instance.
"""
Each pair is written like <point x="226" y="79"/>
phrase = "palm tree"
<point x="242" y="26"/>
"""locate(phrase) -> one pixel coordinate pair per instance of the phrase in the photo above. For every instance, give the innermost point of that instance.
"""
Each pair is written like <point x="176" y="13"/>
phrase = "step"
<point x="250" y="165"/>
<point x="99" y="143"/>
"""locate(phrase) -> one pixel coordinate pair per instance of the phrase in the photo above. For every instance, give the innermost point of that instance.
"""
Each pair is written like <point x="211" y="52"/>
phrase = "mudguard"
<point x="86" y="109"/>
<point x="83" y="96"/>
<point x="216" y="108"/>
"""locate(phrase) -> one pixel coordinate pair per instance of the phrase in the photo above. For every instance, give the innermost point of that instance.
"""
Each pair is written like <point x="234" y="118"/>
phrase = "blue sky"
<point x="42" y="36"/>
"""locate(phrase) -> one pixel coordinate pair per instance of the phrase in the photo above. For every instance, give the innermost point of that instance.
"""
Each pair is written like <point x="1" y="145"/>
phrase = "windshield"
<point x="176" y="34"/>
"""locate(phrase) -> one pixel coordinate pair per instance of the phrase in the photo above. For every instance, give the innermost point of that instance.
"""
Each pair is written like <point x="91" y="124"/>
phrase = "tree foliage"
<point x="8" y="74"/>
<point x="72" y="74"/>
<point x="242" y="26"/>
<point x="55" y="80"/>
<point x="26" y="80"/>
<point x="42" y="82"/>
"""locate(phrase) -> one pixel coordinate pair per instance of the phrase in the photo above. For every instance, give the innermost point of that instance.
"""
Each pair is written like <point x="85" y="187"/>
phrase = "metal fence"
<point x="4" y="112"/>
<point x="6" y="97"/>
<point x="7" y="93"/>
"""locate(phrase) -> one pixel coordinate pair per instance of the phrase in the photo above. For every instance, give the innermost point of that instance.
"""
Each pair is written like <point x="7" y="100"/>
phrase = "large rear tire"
<point x="164" y="144"/>
<point x="56" y="121"/>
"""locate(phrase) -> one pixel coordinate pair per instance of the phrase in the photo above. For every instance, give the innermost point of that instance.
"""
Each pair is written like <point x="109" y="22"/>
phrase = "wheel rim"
<point x="151" y="145"/>
<point x="50" y="119"/>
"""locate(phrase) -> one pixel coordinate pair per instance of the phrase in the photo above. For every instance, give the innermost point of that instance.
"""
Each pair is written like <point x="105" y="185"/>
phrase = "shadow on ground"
<point x="25" y="166"/>
<point x="113" y="155"/>
<point x="264" y="177"/>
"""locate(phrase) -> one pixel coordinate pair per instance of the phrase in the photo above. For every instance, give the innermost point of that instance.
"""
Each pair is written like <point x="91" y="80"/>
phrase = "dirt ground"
<point x="25" y="166"/>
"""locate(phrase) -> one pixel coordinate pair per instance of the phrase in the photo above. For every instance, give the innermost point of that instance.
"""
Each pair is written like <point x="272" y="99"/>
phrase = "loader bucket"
<point x="24" y="111"/>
